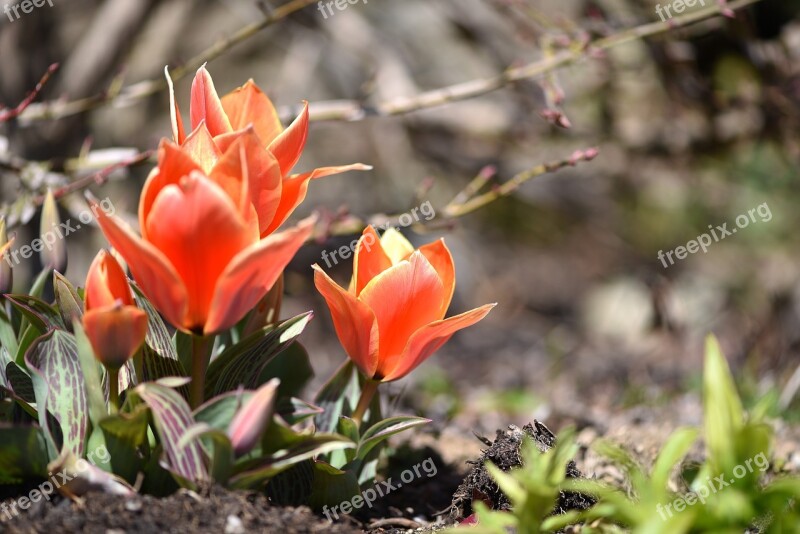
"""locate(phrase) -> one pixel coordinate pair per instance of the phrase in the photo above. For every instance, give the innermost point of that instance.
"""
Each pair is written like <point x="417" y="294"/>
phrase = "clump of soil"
<point x="504" y="452"/>
<point x="219" y="512"/>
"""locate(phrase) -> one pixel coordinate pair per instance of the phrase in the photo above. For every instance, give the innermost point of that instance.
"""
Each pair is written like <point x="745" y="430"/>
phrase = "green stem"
<point x="113" y="391"/>
<point x="367" y="393"/>
<point x="200" y="358"/>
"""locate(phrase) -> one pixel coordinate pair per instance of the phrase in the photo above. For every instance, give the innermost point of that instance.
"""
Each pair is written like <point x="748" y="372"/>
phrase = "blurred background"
<point x="694" y="126"/>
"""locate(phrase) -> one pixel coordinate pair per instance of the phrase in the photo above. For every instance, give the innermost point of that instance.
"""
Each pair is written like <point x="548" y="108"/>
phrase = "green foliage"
<point x="726" y="493"/>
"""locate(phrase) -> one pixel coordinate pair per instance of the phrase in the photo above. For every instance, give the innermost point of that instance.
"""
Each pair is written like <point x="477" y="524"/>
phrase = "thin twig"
<point x="352" y="110"/>
<point x="134" y="92"/>
<point x="457" y="208"/>
<point x="98" y="178"/>
<point x="7" y="115"/>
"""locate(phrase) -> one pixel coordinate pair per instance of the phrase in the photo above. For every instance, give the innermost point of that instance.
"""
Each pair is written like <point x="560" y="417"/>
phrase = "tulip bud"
<point x="54" y="250"/>
<point x="115" y="327"/>
<point x="69" y="303"/>
<point x="251" y="420"/>
<point x="6" y="272"/>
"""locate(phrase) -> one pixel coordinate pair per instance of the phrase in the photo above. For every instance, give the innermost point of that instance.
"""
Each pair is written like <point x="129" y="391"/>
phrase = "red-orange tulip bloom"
<point x="216" y="123"/>
<point x="392" y="318"/>
<point x="114" y="325"/>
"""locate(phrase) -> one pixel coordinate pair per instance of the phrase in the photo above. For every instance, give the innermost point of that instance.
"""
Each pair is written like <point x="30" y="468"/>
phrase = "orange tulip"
<point x="392" y="318"/>
<point x="216" y="123"/>
<point x="200" y="258"/>
<point x="114" y="325"/>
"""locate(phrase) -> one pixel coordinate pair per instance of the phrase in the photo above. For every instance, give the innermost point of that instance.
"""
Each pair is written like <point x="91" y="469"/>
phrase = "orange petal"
<point x="441" y="259"/>
<point x="354" y="322"/>
<point x="428" y="339"/>
<point x="370" y="259"/>
<point x="249" y="105"/>
<point x="295" y="187"/>
<point x="199" y="229"/>
<point x="252" y="273"/>
<point x="288" y="146"/>
<point x="150" y="267"/>
<point x="115" y="333"/>
<point x="206" y="106"/>
<point x="106" y="283"/>
<point x="178" y="133"/>
<point x="246" y="157"/>
<point x="173" y="164"/>
<point x="403" y="298"/>
<point x="201" y="147"/>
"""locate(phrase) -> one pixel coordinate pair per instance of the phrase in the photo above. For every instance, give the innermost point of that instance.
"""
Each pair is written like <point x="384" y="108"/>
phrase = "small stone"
<point x="133" y="505"/>
<point x="233" y="525"/>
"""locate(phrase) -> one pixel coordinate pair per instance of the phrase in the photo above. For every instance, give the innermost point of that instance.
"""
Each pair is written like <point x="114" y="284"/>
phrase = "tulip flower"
<point x="217" y="122"/>
<point x="116" y="328"/>
<point x="392" y="317"/>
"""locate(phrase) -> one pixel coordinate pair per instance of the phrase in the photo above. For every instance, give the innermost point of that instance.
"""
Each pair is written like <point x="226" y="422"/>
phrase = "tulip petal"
<point x="441" y="259"/>
<point x="295" y="187"/>
<point x="173" y="164"/>
<point x="178" y="132"/>
<point x="263" y="174"/>
<point x="199" y="229"/>
<point x="106" y="283"/>
<point x="288" y="146"/>
<point x="354" y="322"/>
<point x="427" y="340"/>
<point x="370" y="259"/>
<point x="249" y="105"/>
<point x="206" y="106"/>
<point x="249" y="276"/>
<point x="252" y="419"/>
<point x="150" y="267"/>
<point x="396" y="246"/>
<point x="201" y="148"/>
<point x="115" y="333"/>
<point x="403" y="298"/>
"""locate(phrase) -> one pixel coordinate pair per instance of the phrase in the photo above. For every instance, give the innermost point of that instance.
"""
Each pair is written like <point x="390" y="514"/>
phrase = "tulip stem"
<point x="113" y="391"/>
<point x="200" y="358"/>
<point x="367" y="393"/>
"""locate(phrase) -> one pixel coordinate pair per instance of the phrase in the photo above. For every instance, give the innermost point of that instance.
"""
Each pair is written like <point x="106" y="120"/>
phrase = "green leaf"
<point x="243" y="363"/>
<point x="295" y="411"/>
<point x="723" y="413"/>
<point x="219" y="411"/>
<point x="124" y="433"/>
<point x="158" y="337"/>
<point x="57" y="378"/>
<point x="255" y="473"/>
<point x="20" y="382"/>
<point x="23" y="453"/>
<point x="222" y="458"/>
<point x="292" y="367"/>
<point x="8" y="338"/>
<point x="336" y="397"/>
<point x="92" y="375"/>
<point x="40" y="314"/>
<point x="385" y="429"/>
<point x="673" y="452"/>
<point x="348" y="428"/>
<point x="173" y="418"/>
<point x="156" y="367"/>
<point x="331" y="486"/>
<point x="69" y="303"/>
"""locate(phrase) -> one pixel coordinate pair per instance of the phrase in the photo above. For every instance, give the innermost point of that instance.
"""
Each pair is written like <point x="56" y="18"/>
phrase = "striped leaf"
<point x="158" y="337"/>
<point x="59" y="386"/>
<point x="241" y="364"/>
<point x="39" y="313"/>
<point x="23" y="453"/>
<point x="173" y="418"/>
